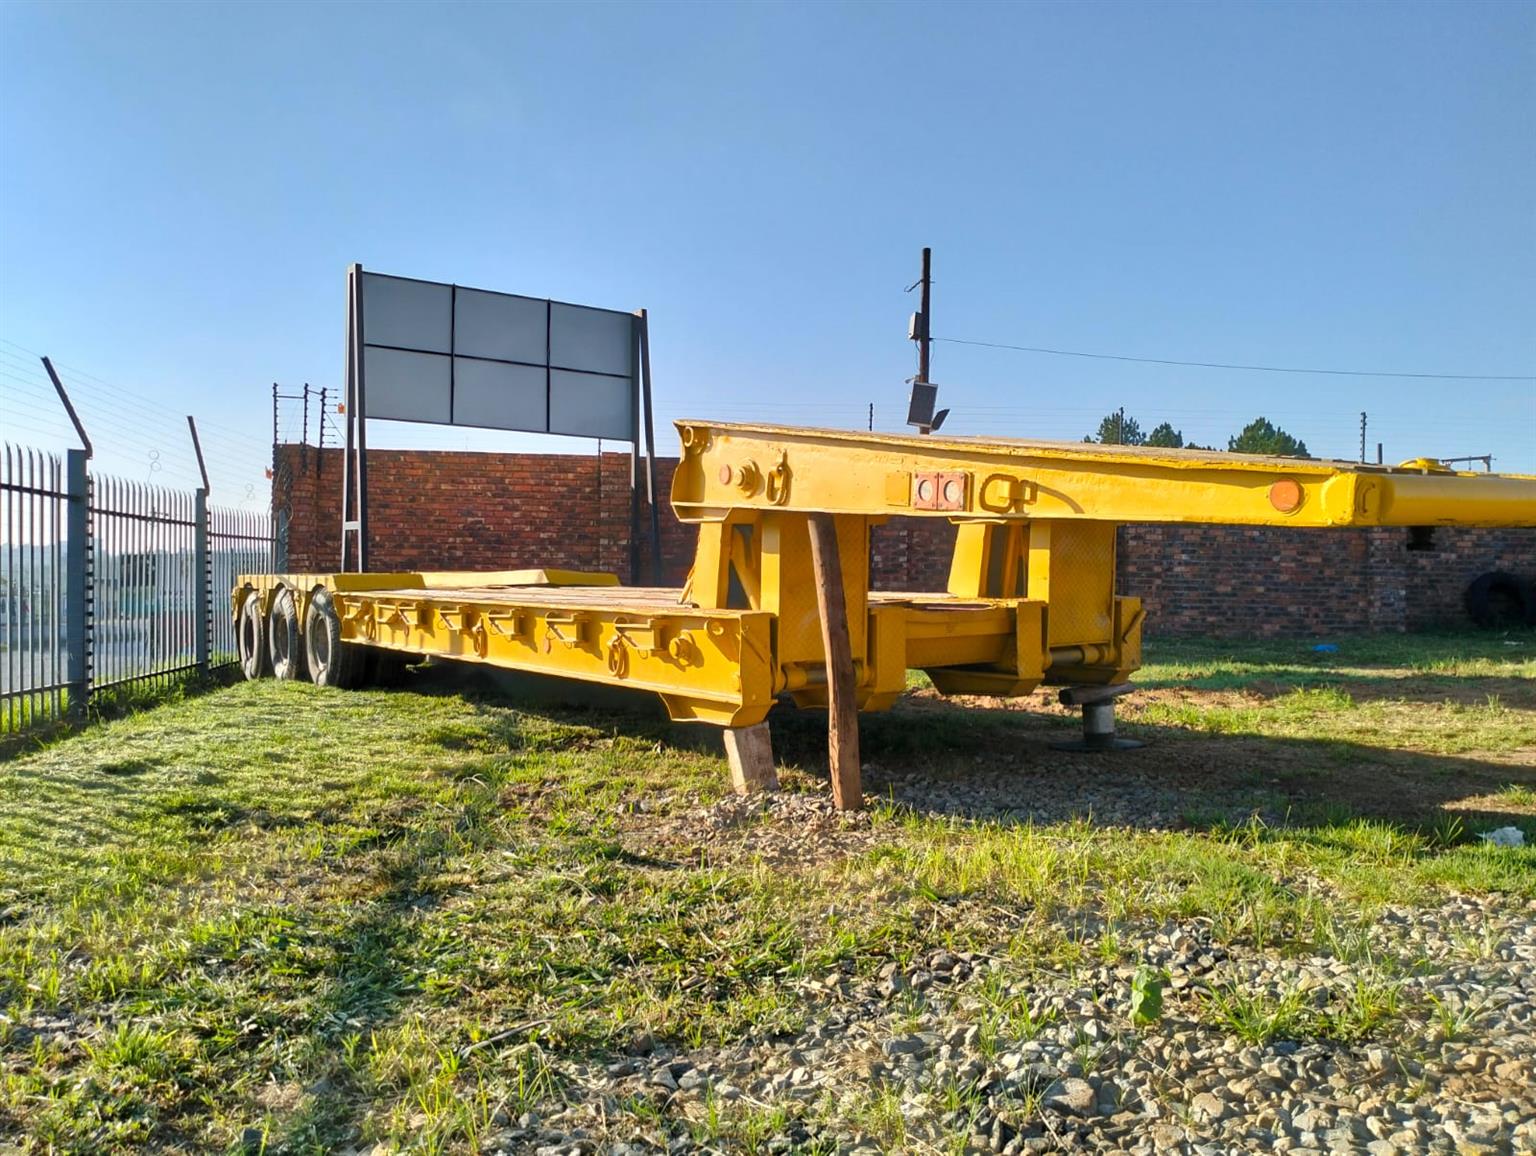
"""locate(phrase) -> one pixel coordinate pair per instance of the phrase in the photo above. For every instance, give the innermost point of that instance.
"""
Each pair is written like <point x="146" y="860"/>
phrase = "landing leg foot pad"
<point x="1098" y="703"/>
<point x="1089" y="746"/>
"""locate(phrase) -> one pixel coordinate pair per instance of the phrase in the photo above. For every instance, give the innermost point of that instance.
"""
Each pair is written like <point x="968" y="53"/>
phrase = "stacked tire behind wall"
<point x="1499" y="600"/>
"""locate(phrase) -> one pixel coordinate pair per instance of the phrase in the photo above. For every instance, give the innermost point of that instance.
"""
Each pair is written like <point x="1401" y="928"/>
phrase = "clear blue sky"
<point x="1323" y="185"/>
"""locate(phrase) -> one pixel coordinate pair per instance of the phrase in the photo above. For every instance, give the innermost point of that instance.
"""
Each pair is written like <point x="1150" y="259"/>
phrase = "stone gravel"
<point x="921" y="1045"/>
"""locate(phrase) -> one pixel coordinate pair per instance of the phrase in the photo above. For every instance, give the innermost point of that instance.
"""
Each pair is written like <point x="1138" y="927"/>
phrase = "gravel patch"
<point x="778" y="827"/>
<point x="968" y="1052"/>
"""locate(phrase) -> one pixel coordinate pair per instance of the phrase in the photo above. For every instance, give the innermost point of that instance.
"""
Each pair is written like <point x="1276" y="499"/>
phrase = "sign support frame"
<point x="355" y="537"/>
<point x="650" y="442"/>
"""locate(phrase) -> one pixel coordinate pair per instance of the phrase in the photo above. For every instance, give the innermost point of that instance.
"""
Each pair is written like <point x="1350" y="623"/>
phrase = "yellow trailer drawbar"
<point x="778" y="600"/>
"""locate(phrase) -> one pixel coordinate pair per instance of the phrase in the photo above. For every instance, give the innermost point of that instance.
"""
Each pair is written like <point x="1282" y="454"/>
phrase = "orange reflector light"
<point x="1285" y="495"/>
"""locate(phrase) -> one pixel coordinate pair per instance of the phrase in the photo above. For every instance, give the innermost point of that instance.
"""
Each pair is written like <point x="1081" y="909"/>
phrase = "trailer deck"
<point x="708" y="665"/>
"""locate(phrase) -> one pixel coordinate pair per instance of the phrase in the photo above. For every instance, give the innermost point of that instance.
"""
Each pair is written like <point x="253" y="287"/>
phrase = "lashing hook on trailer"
<point x="777" y="490"/>
<point x="517" y="629"/>
<point x="575" y="623"/>
<point x="618" y="657"/>
<point x="645" y="638"/>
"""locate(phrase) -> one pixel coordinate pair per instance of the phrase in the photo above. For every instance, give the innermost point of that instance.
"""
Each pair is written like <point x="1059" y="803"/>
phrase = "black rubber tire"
<point x="331" y="661"/>
<point x="285" y="638"/>
<point x="1499" y="600"/>
<point x="251" y="638"/>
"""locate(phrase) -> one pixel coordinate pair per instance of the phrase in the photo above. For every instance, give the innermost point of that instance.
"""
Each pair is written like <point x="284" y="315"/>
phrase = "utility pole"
<point x="925" y="324"/>
<point x="1362" y="435"/>
<point x="871" y="417"/>
<point x="925" y="394"/>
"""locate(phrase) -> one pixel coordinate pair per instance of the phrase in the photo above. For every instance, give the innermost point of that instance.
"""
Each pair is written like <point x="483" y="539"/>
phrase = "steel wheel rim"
<point x="279" y="639"/>
<point x="319" y="642"/>
<point x="248" y="633"/>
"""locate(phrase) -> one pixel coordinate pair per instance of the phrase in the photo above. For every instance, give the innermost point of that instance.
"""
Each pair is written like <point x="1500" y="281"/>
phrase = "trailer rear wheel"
<point x="332" y="662"/>
<point x="251" y="638"/>
<point x="285" y="638"/>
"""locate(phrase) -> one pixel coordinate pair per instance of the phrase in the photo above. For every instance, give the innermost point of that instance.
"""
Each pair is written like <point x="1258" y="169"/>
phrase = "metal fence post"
<point x="203" y="643"/>
<point x="77" y="596"/>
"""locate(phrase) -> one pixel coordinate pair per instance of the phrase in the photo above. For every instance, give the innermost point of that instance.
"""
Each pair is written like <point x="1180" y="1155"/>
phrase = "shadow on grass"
<point x="114" y="703"/>
<point x="371" y="980"/>
<point x="942" y="757"/>
<point x="375" y="970"/>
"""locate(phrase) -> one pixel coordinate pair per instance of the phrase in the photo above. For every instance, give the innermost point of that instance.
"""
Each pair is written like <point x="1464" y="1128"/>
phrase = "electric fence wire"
<point x="130" y="426"/>
<point x="119" y="433"/>
<point x="142" y="416"/>
<point x="131" y="395"/>
<point x="34" y="406"/>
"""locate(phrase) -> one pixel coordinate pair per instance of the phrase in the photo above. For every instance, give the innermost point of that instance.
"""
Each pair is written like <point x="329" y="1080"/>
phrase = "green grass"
<point x="1327" y="713"/>
<point x="37" y="719"/>
<point x="1227" y="664"/>
<point x="1518" y="795"/>
<point x="1353" y="1012"/>
<point x="334" y="919"/>
<point x="1257" y="1017"/>
<point x="279" y="872"/>
<point x="1442" y="694"/>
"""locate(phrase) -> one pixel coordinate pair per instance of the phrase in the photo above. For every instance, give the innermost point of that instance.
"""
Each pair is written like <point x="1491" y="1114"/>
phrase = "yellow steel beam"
<point x="707" y="665"/>
<point x="728" y="467"/>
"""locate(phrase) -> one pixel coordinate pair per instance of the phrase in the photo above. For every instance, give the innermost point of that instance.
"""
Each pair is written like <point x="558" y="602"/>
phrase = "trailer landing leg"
<point x="749" y="750"/>
<point x="1098" y="703"/>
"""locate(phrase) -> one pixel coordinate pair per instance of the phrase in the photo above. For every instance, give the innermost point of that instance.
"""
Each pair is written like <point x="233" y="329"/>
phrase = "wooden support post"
<point x="842" y="709"/>
<point x="749" y="750"/>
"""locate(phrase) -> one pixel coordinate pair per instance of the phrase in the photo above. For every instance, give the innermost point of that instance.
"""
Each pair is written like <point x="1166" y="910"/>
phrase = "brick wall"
<point x="1279" y="582"/>
<point x="433" y="510"/>
<point x="1234" y="581"/>
<point x="469" y="511"/>
<point x="1434" y="581"/>
<point x="911" y="554"/>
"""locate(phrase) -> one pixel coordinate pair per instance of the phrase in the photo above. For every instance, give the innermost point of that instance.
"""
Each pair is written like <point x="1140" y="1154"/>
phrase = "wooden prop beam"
<point x="842" y="709"/>
<point x="749" y="750"/>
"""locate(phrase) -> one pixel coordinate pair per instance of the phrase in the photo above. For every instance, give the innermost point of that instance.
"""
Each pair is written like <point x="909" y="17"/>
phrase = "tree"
<point x="1118" y="430"/>
<point x="1262" y="436"/>
<point x="1166" y="437"/>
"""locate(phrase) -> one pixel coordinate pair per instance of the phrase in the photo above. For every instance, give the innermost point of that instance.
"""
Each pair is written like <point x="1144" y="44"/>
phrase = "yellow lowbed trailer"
<point x="778" y="600"/>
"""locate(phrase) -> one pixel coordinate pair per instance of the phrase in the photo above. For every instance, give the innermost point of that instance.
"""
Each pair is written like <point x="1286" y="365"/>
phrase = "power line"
<point x="1249" y="368"/>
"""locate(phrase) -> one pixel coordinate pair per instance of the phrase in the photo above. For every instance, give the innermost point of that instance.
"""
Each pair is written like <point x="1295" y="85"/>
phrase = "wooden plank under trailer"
<point x="778" y="600"/>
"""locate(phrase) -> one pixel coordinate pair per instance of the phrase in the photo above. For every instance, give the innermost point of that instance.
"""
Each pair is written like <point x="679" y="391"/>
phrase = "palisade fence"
<point x="107" y="584"/>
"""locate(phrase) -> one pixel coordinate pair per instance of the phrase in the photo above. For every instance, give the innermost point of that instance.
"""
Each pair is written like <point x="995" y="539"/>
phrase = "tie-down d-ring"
<point x="777" y="489"/>
<point x="618" y="657"/>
